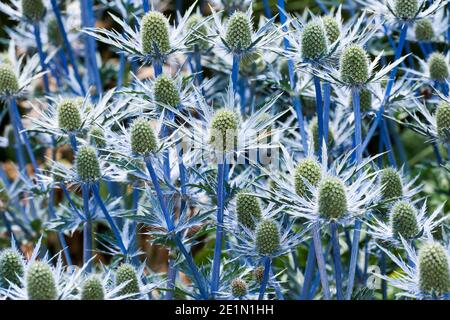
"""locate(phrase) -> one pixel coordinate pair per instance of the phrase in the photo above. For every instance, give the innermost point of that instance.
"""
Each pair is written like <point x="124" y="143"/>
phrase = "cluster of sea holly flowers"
<point x="243" y="155"/>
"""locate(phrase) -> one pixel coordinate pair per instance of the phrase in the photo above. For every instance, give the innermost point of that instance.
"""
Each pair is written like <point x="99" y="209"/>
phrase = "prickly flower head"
<point x="92" y="289"/>
<point x="87" y="165"/>
<point x="391" y="182"/>
<point x="69" y="117"/>
<point x="165" y="91"/>
<point x="314" y="132"/>
<point x="309" y="170"/>
<point x="11" y="267"/>
<point x="424" y="30"/>
<point x="247" y="209"/>
<point x="33" y="9"/>
<point x="54" y="34"/>
<point x="267" y="237"/>
<point x="443" y="121"/>
<point x="438" y="67"/>
<point x="40" y="282"/>
<point x="127" y="273"/>
<point x="258" y="274"/>
<point x="9" y="84"/>
<point x="354" y="65"/>
<point x="155" y="33"/>
<point x="238" y="288"/>
<point x="314" y="41"/>
<point x="198" y="29"/>
<point x="224" y="127"/>
<point x="331" y="28"/>
<point x="434" y="273"/>
<point x="332" y="198"/>
<point x="404" y="220"/>
<point x="143" y="139"/>
<point x="97" y="137"/>
<point x="239" y="32"/>
<point x="406" y="9"/>
<point x="4" y="197"/>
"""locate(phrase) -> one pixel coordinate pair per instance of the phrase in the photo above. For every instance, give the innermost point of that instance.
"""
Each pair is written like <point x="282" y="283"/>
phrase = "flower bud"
<point x="33" y="9"/>
<point x="267" y="237"/>
<point x="391" y="184"/>
<point x="406" y="9"/>
<point x="434" y="274"/>
<point x="224" y="129"/>
<point x="354" y="65"/>
<point x="155" y="33"/>
<point x="127" y="273"/>
<point x="438" y="67"/>
<point x="143" y="139"/>
<point x="424" y="30"/>
<point x="248" y="210"/>
<point x="443" y="121"/>
<point x="332" y="198"/>
<point x="239" y="32"/>
<point x="331" y="28"/>
<point x="238" y="288"/>
<point x="69" y="118"/>
<point x="88" y="168"/>
<point x="309" y="170"/>
<point x="9" y="84"/>
<point x="165" y="91"/>
<point x="404" y="220"/>
<point x="11" y="267"/>
<point x="40" y="282"/>
<point x="258" y="274"/>
<point x="92" y="289"/>
<point x="314" y="41"/>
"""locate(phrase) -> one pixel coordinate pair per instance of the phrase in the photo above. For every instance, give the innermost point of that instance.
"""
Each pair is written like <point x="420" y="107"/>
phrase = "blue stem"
<point x="321" y="261"/>
<point x="235" y="71"/>
<point x="145" y="5"/>
<point x="337" y="260"/>
<point x="383" y="272"/>
<point x="67" y="45"/>
<point x="73" y="141"/>
<point x="87" y="229"/>
<point x="309" y="271"/>
<point x="265" y="280"/>
<point x="122" y="65"/>
<point x="319" y="111"/>
<point x="215" y="270"/>
<point x="110" y="220"/>
<point x="358" y="132"/>
<point x="326" y="110"/>
<point x="37" y="36"/>
<point x="353" y="258"/>
<point x="267" y="12"/>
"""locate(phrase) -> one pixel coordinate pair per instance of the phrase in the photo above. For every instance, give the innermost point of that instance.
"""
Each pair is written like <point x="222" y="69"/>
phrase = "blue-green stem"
<point x="309" y="271"/>
<point x="266" y="275"/>
<point x="337" y="260"/>
<point x="37" y="36"/>
<point x="353" y="258"/>
<point x="319" y="111"/>
<point x="87" y="228"/>
<point x="235" y="71"/>
<point x="320" y="260"/>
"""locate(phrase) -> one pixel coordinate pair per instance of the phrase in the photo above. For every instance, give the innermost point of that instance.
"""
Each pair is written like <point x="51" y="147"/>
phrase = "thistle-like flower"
<point x="332" y="198"/>
<point x="40" y="282"/>
<point x="354" y="65"/>
<point x="143" y="139"/>
<point x="314" y="41"/>
<point x="127" y="274"/>
<point x="97" y="137"/>
<point x="443" y="122"/>
<point x="155" y="34"/>
<point x="239" y="288"/>
<point x="33" y="9"/>
<point x="403" y="219"/>
<point x="424" y="30"/>
<point x="314" y="133"/>
<point x="8" y="80"/>
<point x="239" y="32"/>
<point x="248" y="209"/>
<point x="406" y="9"/>
<point x="11" y="267"/>
<point x="434" y="271"/>
<point x="92" y="289"/>
<point x="267" y="237"/>
<point x="307" y="169"/>
<point x="69" y="118"/>
<point x="224" y="129"/>
<point x="88" y="167"/>
<point x="332" y="28"/>
<point x="197" y="25"/>
<point x="392" y="186"/>
<point x="438" y="66"/>
<point x="165" y="91"/>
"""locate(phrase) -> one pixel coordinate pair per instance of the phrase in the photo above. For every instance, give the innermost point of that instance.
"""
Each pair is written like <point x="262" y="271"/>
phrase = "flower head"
<point x="332" y="198"/>
<point x="165" y="91"/>
<point x="443" y="121"/>
<point x="406" y="9"/>
<point x="314" y="41"/>
<point x="33" y="9"/>
<point x="8" y="80"/>
<point x="438" y="66"/>
<point x="143" y="139"/>
<point x="238" y="288"/>
<point x="224" y="126"/>
<point x="354" y="65"/>
<point x="392" y="186"/>
<point x="11" y="267"/>
<point x="199" y="31"/>
<point x="92" y="289"/>
<point x="155" y="34"/>
<point x="87" y="164"/>
<point x="267" y="237"/>
<point x="424" y="30"/>
<point x="127" y="274"/>
<point x="331" y="28"/>
<point x="69" y="118"/>
<point x="308" y="170"/>
<point x="434" y="271"/>
<point x="239" y="32"/>
<point x="248" y="209"/>
<point x="40" y="282"/>
<point x="403" y="218"/>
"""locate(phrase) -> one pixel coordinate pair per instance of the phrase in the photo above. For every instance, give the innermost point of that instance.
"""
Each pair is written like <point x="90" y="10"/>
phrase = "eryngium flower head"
<point x="224" y="127"/>
<point x="332" y="198"/>
<point x="239" y="32"/>
<point x="406" y="9"/>
<point x="194" y="24"/>
<point x="443" y="121"/>
<point x="238" y="288"/>
<point x="8" y="80"/>
<point x="331" y="28"/>
<point x="33" y="9"/>
<point x="354" y="65"/>
<point x="88" y="168"/>
<point x="267" y="237"/>
<point x="40" y="282"/>
<point x="314" y="131"/>
<point x="247" y="209"/>
<point x="4" y="197"/>
<point x="143" y="139"/>
<point x="155" y="33"/>
<point x="438" y="67"/>
<point x="365" y="100"/>
<point x="258" y="274"/>
<point x="127" y="273"/>
<point x="165" y="91"/>
<point x="11" y="267"/>
<point x="424" y="30"/>
<point x="54" y="34"/>
<point x="69" y="117"/>
<point x="434" y="276"/>
<point x="391" y="183"/>
<point x="309" y="170"/>
<point x="97" y="137"/>
<point x="404" y="220"/>
<point x="314" y="41"/>
<point x="92" y="289"/>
